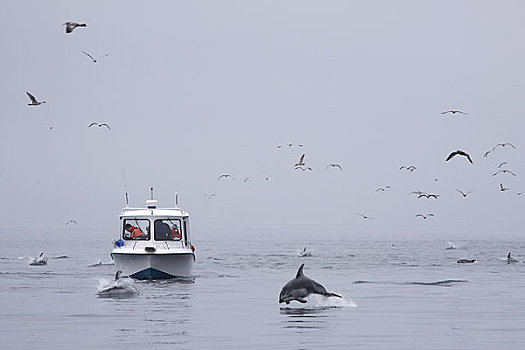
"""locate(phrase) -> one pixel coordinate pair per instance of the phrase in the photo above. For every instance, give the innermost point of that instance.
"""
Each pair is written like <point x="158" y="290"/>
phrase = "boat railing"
<point x="126" y="209"/>
<point x="183" y="244"/>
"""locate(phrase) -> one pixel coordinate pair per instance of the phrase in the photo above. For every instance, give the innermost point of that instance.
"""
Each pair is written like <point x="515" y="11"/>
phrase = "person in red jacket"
<point x="134" y="232"/>
<point x="175" y="233"/>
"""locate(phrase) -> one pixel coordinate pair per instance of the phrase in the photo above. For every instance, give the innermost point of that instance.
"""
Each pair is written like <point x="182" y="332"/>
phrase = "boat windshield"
<point x="136" y="229"/>
<point x="167" y="230"/>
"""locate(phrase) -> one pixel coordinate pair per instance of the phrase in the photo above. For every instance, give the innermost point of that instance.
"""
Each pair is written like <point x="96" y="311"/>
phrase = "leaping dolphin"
<point x="300" y="287"/>
<point x="40" y="260"/>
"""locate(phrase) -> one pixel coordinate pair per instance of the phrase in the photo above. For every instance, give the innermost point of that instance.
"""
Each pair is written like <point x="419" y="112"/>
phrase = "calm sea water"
<point x="409" y="296"/>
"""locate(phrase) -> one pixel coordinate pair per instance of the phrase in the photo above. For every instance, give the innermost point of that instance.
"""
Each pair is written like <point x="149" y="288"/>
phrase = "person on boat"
<point x="162" y="230"/>
<point x="134" y="232"/>
<point x="175" y="233"/>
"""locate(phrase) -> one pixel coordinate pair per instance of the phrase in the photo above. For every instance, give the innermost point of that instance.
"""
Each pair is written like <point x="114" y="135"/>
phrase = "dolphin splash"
<point x="300" y="287"/>
<point x="120" y="288"/>
<point x="39" y="260"/>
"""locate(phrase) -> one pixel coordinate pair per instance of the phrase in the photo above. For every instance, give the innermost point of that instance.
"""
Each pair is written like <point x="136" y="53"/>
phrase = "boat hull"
<point x="154" y="266"/>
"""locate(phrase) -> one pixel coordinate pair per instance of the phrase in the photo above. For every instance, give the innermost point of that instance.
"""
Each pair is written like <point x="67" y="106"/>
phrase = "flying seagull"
<point x="464" y="194"/>
<point x="225" y="176"/>
<point x="454" y="112"/>
<point x="383" y="189"/>
<point x="425" y="216"/>
<point x="410" y="168"/>
<point x="334" y="166"/>
<point x="210" y="196"/>
<point x="364" y="216"/>
<point x="303" y="169"/>
<point x="486" y="154"/>
<point x="301" y="161"/>
<point x="246" y="179"/>
<point x="504" y="171"/>
<point x="503" y="145"/>
<point x="99" y="125"/>
<point x="70" y="26"/>
<point x="428" y="195"/>
<point x="501" y="188"/>
<point x="34" y="102"/>
<point x="92" y="59"/>
<point x="71" y="222"/>
<point x="461" y="153"/>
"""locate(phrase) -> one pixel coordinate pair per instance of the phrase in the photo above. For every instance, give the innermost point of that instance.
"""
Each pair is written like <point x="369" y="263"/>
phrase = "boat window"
<point x="167" y="230"/>
<point x="136" y="229"/>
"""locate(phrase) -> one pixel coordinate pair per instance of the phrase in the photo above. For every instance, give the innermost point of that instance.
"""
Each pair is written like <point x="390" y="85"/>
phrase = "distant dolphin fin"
<point x="300" y="271"/>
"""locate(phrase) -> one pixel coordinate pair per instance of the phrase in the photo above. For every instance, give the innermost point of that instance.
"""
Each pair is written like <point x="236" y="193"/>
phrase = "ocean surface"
<point x="406" y="294"/>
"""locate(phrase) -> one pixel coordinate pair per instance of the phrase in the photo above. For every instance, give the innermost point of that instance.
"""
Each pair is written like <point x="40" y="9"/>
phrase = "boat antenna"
<point x="125" y="186"/>
<point x="176" y="199"/>
<point x="151" y="193"/>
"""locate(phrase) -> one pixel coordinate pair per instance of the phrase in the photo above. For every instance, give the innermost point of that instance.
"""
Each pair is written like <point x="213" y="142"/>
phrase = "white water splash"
<point x="123" y="287"/>
<point x="317" y="301"/>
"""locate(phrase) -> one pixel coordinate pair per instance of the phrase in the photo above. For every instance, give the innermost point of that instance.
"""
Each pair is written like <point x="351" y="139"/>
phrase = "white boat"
<point x="154" y="243"/>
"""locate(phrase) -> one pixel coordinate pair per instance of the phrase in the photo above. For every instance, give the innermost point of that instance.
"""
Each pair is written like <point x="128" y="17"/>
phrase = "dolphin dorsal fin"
<point x="300" y="271"/>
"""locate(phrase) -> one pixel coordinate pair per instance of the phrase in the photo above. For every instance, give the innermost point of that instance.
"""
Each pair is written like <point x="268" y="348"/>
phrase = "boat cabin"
<point x="167" y="225"/>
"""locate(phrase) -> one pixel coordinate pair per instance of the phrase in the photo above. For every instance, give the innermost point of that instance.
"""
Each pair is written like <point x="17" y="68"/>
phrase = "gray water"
<point x="409" y="296"/>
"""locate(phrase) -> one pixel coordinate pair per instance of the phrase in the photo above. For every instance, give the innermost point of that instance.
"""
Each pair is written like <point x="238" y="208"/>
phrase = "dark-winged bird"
<point x="365" y="217"/>
<point x="334" y="166"/>
<point x="301" y="161"/>
<point x="225" y="176"/>
<point x="454" y="112"/>
<point x="88" y="55"/>
<point x="70" y="26"/>
<point x="34" y="102"/>
<point x="425" y="216"/>
<point x="464" y="194"/>
<point x="461" y="153"/>
<point x="504" y="171"/>
<point x="99" y="125"/>
<point x="503" y="145"/>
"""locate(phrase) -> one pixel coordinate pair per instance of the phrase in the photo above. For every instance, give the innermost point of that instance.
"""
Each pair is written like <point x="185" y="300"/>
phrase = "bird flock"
<point x="501" y="170"/>
<point x="302" y="165"/>
<point x="70" y="27"/>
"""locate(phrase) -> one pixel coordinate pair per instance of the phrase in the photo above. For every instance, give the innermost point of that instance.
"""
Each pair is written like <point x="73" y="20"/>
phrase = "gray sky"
<point x="195" y="89"/>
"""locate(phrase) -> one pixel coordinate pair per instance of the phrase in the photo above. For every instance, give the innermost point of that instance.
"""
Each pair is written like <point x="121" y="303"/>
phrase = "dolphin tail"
<point x="328" y="294"/>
